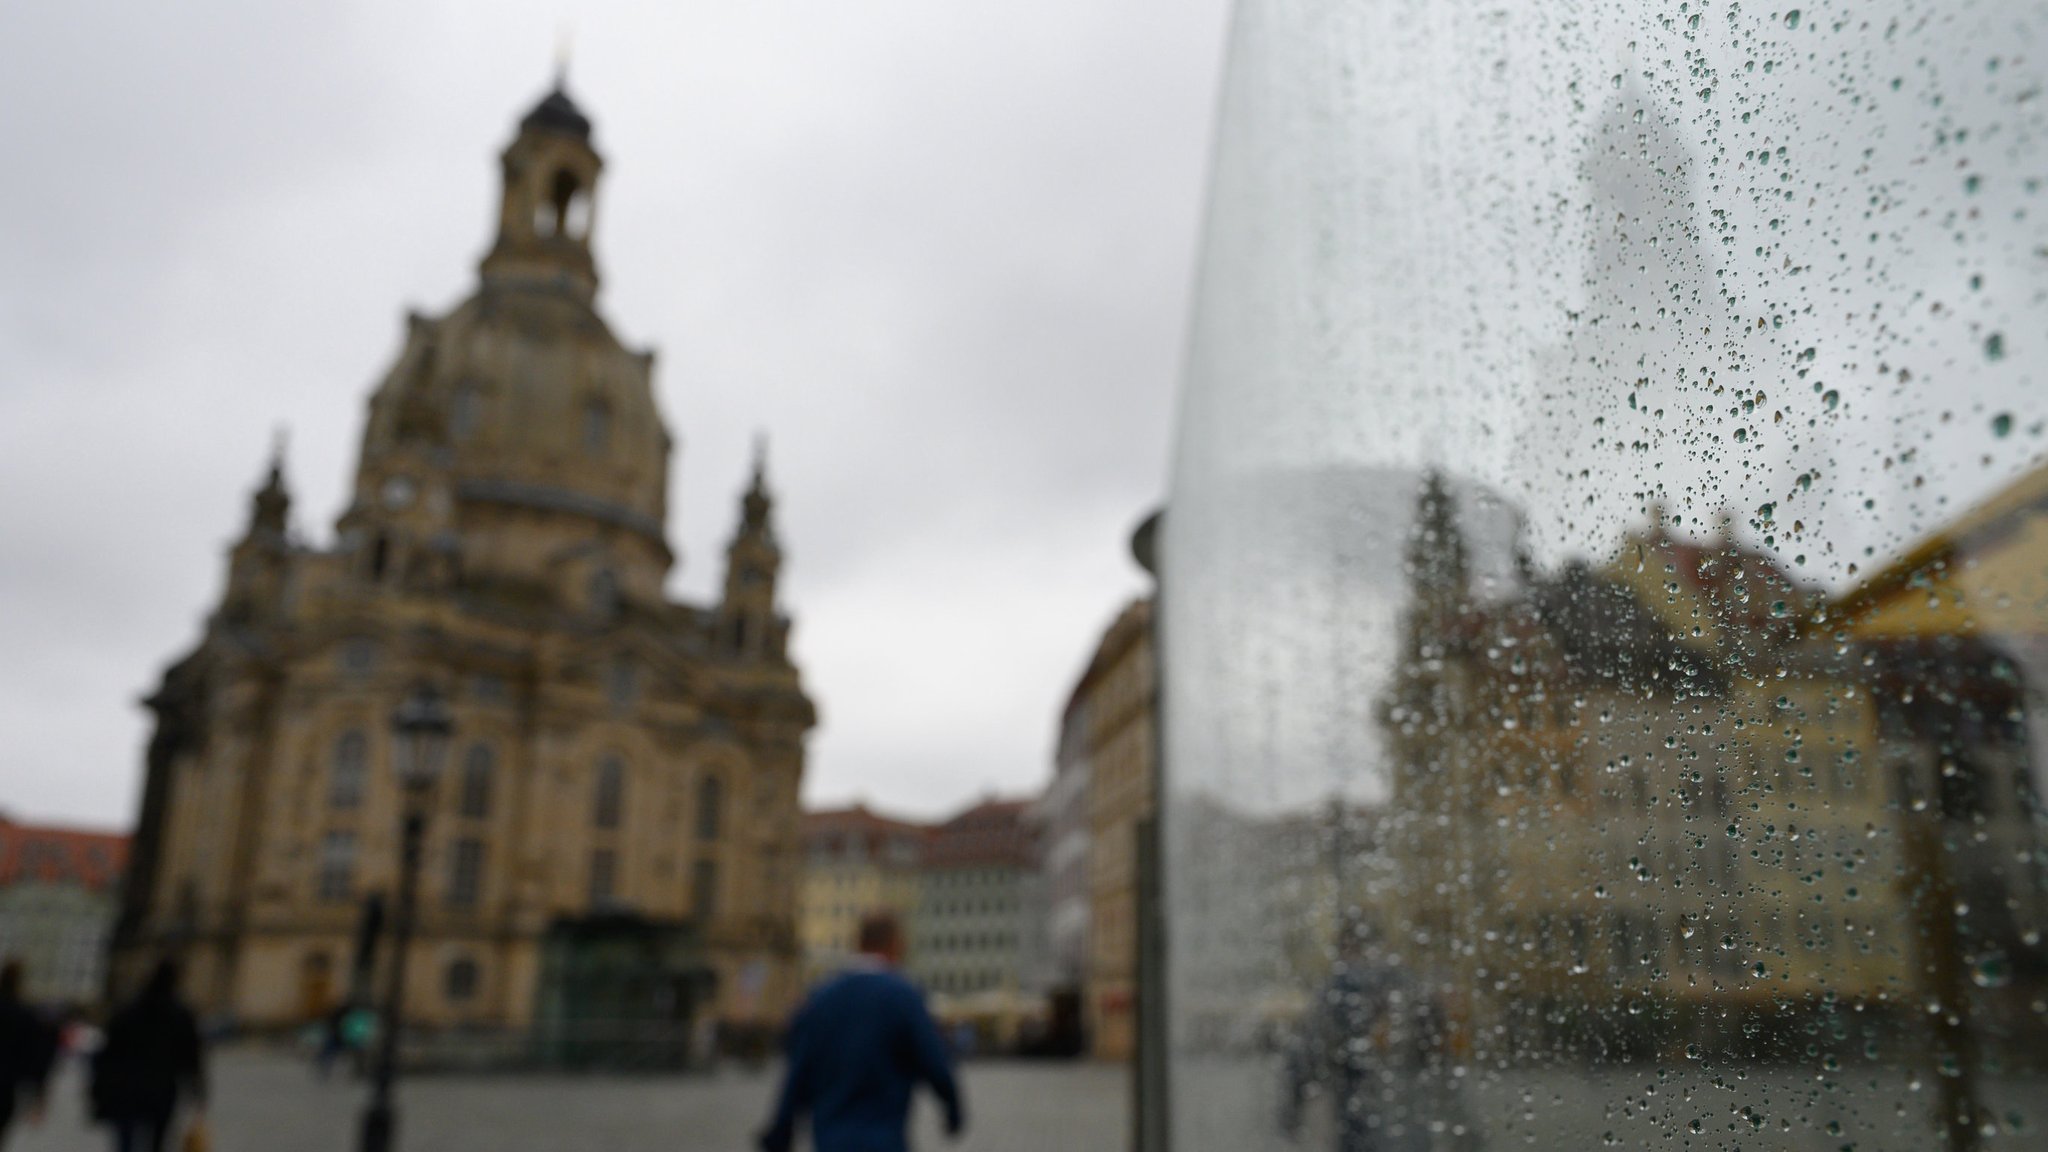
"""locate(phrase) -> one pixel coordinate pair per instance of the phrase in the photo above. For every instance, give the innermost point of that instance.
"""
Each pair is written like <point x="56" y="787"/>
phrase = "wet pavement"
<point x="268" y="1101"/>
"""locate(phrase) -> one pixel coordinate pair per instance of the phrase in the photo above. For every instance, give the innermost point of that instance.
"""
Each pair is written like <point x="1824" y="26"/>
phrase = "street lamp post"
<point x="420" y="729"/>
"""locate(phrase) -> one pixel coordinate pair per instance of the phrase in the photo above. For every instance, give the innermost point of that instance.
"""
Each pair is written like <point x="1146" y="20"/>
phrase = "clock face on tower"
<point x="398" y="492"/>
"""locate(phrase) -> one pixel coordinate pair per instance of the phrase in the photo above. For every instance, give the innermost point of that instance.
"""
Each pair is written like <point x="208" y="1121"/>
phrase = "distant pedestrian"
<point x="152" y="1056"/>
<point x="28" y="1046"/>
<point x="857" y="1049"/>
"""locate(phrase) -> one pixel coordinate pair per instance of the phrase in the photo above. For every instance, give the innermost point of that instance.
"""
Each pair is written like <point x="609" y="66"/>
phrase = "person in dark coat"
<point x="152" y="1056"/>
<point x="28" y="1046"/>
<point x="857" y="1050"/>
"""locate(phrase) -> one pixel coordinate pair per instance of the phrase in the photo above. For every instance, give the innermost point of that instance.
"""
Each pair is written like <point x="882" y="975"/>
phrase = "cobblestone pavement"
<point x="269" y="1102"/>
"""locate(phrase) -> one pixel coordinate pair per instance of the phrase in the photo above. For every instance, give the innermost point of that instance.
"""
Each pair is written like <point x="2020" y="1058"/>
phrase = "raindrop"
<point x="1991" y="970"/>
<point x="1994" y="346"/>
<point x="1831" y="398"/>
<point x="1792" y="18"/>
<point x="2001" y="425"/>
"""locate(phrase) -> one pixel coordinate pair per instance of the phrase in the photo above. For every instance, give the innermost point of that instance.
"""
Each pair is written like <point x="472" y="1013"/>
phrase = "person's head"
<point x="11" y="975"/>
<point x="163" y="981"/>
<point x="881" y="936"/>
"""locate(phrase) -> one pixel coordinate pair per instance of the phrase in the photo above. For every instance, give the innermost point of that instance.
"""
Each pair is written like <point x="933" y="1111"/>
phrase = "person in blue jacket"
<point x="857" y="1050"/>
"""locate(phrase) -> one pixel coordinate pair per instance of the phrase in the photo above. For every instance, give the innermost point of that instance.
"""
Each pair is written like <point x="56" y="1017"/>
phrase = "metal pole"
<point x="380" y="1119"/>
<point x="1152" y="1071"/>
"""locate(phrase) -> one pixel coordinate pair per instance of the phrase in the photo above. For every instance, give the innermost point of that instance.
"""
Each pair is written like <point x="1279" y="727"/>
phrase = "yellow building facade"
<point x="855" y="863"/>
<point x="1118" y="696"/>
<point x="1653" y="778"/>
<point x="616" y="755"/>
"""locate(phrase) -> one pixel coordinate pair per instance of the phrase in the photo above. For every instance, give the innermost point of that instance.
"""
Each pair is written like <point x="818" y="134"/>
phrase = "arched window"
<point x="704" y="890"/>
<point x="611" y="793"/>
<point x="336" y="868"/>
<point x="604" y="878"/>
<point x="710" y="797"/>
<point x="576" y="221"/>
<point x="597" y="426"/>
<point x="463" y="413"/>
<point x="563" y="201"/>
<point x="460" y="981"/>
<point x="603" y="592"/>
<point x="346" y="775"/>
<point x="621" y="683"/>
<point x="465" y="873"/>
<point x="477" y="769"/>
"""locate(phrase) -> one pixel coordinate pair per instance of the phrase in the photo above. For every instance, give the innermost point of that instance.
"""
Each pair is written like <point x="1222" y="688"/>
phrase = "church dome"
<point x="537" y="423"/>
<point x="557" y="113"/>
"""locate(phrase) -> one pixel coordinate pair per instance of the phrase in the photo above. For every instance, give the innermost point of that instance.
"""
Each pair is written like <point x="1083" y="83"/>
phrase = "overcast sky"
<point x="938" y="252"/>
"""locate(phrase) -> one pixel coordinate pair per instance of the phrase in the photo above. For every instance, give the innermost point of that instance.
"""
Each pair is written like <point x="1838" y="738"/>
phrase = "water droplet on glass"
<point x="1792" y="18"/>
<point x="1992" y="970"/>
<point x="2001" y="425"/>
<point x="1994" y="346"/>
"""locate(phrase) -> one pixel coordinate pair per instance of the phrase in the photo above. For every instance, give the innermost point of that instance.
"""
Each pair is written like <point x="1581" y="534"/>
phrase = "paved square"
<point x="268" y="1102"/>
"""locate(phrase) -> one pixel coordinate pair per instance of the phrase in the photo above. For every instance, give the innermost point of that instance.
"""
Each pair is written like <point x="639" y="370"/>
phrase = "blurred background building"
<point x="1066" y="829"/>
<point x="977" y="938"/>
<point x="1116" y="700"/>
<point x="59" y="889"/>
<point x="623" y="766"/>
<point x="856" y="862"/>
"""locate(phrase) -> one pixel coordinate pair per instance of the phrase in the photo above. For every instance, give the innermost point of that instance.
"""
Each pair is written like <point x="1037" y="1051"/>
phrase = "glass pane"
<point x="1605" y="582"/>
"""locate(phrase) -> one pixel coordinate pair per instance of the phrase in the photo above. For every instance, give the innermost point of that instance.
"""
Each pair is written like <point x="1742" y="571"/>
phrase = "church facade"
<point x="616" y="756"/>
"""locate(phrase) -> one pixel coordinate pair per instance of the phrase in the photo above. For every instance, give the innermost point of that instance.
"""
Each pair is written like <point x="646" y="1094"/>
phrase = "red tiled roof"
<point x="997" y="832"/>
<point x="831" y="827"/>
<point x="36" y="853"/>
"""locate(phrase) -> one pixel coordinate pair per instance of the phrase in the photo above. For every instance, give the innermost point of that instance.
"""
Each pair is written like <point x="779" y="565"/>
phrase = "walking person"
<point x="333" y="1039"/>
<point x="857" y="1050"/>
<point x="151" y="1058"/>
<point x="28" y="1046"/>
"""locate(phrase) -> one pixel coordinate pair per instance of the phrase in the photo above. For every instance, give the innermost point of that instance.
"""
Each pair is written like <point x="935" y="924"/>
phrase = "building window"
<point x="710" y="797"/>
<point x="351" y="766"/>
<point x="337" y="864"/>
<point x="474" y="801"/>
<point x="602" y="593"/>
<point x="460" y="981"/>
<point x="704" y="889"/>
<point x="597" y="427"/>
<point x="604" y="878"/>
<point x="462" y="414"/>
<point x="466" y="872"/>
<point x="622" y="682"/>
<point x="611" y="793"/>
<point x="358" y="656"/>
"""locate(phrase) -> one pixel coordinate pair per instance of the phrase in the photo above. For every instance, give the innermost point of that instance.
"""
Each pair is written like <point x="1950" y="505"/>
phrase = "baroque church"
<point x="620" y="763"/>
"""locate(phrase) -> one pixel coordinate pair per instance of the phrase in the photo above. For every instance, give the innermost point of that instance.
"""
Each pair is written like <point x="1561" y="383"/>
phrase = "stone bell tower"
<point x="751" y="628"/>
<point x="549" y="201"/>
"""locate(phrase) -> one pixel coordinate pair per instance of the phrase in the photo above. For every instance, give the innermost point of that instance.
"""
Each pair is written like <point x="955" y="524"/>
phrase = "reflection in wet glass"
<point x="1606" y="583"/>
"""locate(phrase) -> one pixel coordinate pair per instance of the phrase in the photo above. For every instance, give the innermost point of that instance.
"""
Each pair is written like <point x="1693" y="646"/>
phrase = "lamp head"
<point x="421" y="726"/>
